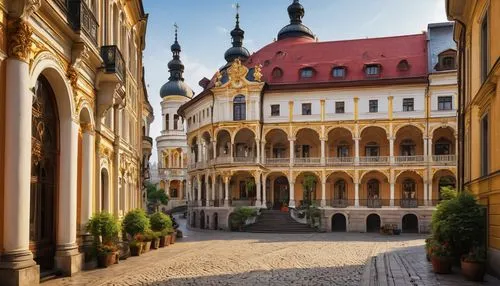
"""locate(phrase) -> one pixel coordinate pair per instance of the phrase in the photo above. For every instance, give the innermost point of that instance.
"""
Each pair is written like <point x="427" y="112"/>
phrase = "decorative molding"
<point x="258" y="73"/>
<point x="19" y="34"/>
<point x="23" y="9"/>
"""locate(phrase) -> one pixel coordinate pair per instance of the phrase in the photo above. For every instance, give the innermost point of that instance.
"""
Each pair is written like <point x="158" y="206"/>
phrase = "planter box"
<point x="147" y="246"/>
<point x="105" y="260"/>
<point x="155" y="244"/>
<point x="473" y="271"/>
<point x="168" y="240"/>
<point x="441" y="265"/>
<point x="163" y="241"/>
<point x="173" y="237"/>
<point x="136" y="250"/>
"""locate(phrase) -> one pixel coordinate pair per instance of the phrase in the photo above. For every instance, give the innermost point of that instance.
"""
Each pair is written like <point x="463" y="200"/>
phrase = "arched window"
<point x="407" y="148"/>
<point x="176" y="121"/>
<point x="239" y="108"/>
<point x="442" y="147"/>
<point x="340" y="192"/>
<point x="403" y="65"/>
<point x="373" y="189"/>
<point x="343" y="149"/>
<point x="167" y="122"/>
<point x="409" y="189"/>
<point x="372" y="149"/>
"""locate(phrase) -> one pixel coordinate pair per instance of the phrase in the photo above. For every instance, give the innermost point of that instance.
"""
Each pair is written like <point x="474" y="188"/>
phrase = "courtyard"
<point x="223" y="258"/>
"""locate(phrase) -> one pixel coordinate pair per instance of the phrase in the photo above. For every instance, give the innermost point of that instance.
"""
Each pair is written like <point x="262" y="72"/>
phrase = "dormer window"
<point x="372" y="70"/>
<point x="277" y="73"/>
<point x="306" y="73"/>
<point x="338" y="72"/>
<point x="446" y="60"/>
<point x="403" y="65"/>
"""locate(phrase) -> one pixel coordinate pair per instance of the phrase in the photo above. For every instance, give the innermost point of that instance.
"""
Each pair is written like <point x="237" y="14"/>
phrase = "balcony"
<point x="171" y="173"/>
<point x="244" y="159"/>
<point x="307" y="161"/>
<point x="113" y="62"/>
<point x="372" y="203"/>
<point x="374" y="160"/>
<point x="336" y="161"/>
<point x="147" y="143"/>
<point x="407" y="203"/>
<point x="81" y="18"/>
<point x="445" y="160"/>
<point x="341" y="203"/>
<point x="409" y="160"/>
<point x="278" y="161"/>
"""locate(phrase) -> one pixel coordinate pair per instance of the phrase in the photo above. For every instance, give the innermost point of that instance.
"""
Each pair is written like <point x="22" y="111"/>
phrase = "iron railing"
<point x="341" y="203"/>
<point x="407" y="203"/>
<point x="373" y="160"/>
<point x="82" y="18"/>
<point x="277" y="161"/>
<point x="334" y="161"/>
<point x="409" y="160"/>
<point x="113" y="61"/>
<point x="309" y="161"/>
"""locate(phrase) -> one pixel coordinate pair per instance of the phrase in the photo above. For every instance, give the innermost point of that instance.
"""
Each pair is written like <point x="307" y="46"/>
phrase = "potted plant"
<point x="148" y="238"/>
<point x="160" y="222"/>
<point x="156" y="196"/>
<point x="442" y="257"/>
<point x="155" y="244"/>
<point x="136" y="222"/>
<point x="428" y="248"/>
<point x="167" y="237"/>
<point x="239" y="217"/>
<point x="136" y="245"/>
<point x="473" y="264"/>
<point x="104" y="227"/>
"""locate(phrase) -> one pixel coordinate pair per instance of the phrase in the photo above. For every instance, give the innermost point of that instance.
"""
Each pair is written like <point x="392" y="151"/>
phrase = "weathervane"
<point x="176" y="28"/>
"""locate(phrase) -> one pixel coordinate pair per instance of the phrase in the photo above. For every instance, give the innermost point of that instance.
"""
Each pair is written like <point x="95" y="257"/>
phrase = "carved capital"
<point x="23" y="9"/>
<point x="20" y="41"/>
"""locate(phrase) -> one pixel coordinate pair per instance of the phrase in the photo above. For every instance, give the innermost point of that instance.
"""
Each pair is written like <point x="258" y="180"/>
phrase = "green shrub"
<point x="448" y="193"/>
<point x="459" y="221"/>
<point x="135" y="221"/>
<point x="239" y="217"/>
<point x="160" y="221"/>
<point x="104" y="225"/>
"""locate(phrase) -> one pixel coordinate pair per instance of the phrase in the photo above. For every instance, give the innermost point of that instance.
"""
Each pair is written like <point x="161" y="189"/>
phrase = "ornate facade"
<point x="72" y="105"/>
<point x="476" y="29"/>
<point x="371" y="121"/>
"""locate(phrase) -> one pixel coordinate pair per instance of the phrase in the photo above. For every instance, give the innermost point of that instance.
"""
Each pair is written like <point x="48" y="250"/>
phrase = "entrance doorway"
<point x="202" y="219"/>
<point x="373" y="223"/>
<point x="281" y="192"/>
<point x="216" y="221"/>
<point x="339" y="223"/>
<point x="410" y="223"/>
<point x="44" y="174"/>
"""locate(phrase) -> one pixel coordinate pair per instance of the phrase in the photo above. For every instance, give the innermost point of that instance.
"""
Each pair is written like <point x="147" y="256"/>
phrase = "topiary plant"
<point x="104" y="225"/>
<point x="135" y="221"/>
<point x="160" y="221"/>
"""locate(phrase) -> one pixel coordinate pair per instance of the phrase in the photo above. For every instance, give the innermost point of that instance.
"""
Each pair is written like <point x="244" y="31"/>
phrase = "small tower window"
<point x="167" y="122"/>
<point x="372" y="70"/>
<point x="176" y="121"/>
<point x="306" y="73"/>
<point x="338" y="72"/>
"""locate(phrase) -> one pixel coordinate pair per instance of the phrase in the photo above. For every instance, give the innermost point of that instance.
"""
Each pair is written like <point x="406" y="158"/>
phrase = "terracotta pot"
<point x="428" y="254"/>
<point x="155" y="244"/>
<point x="441" y="265"/>
<point x="473" y="271"/>
<point x="106" y="259"/>
<point x="146" y="247"/>
<point x="136" y="250"/>
<point x="168" y="240"/>
<point x="163" y="241"/>
<point x="173" y="237"/>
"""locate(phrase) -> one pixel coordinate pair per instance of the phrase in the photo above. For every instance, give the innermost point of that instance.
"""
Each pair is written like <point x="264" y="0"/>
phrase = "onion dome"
<point x="237" y="50"/>
<point x="295" y="29"/>
<point x="176" y="84"/>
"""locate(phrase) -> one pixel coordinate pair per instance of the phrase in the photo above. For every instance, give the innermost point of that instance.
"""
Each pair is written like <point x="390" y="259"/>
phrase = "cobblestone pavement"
<point x="222" y="258"/>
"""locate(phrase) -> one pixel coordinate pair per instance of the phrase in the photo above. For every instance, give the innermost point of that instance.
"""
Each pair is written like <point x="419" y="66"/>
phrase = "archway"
<point x="224" y="146"/>
<point x="307" y="147"/>
<point x="340" y="146"/>
<point x="281" y="192"/>
<point x="339" y="223"/>
<point x="410" y="223"/>
<point x="216" y="221"/>
<point x="244" y="146"/>
<point x="202" y="219"/>
<point x="277" y="150"/>
<point x="373" y="223"/>
<point x="44" y="173"/>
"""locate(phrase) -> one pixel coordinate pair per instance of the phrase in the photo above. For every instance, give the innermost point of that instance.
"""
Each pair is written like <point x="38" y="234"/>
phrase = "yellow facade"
<point x="3" y="54"/>
<point x="476" y="31"/>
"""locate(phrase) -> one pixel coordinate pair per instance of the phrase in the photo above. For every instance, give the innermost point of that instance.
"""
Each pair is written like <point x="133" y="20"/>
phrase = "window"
<point x="442" y="147"/>
<point x="340" y="190"/>
<point x="485" y="156"/>
<point x="372" y="70"/>
<point x="343" y="150"/>
<point x="306" y="109"/>
<point x="484" y="47"/>
<point x="372" y="149"/>
<point x="407" y="148"/>
<point x="239" y="108"/>
<point x="373" y="189"/>
<point x="409" y="190"/>
<point x="373" y="105"/>
<point x="408" y="104"/>
<point x="275" y="110"/>
<point x="167" y="122"/>
<point x="174" y="193"/>
<point x="306" y="151"/>
<point x="445" y="103"/>
<point x="176" y="121"/>
<point x="277" y="73"/>
<point x="339" y="107"/>
<point x="449" y="63"/>
<point x="446" y="60"/>
<point x="338" y="72"/>
<point x="403" y="65"/>
<point x="306" y="73"/>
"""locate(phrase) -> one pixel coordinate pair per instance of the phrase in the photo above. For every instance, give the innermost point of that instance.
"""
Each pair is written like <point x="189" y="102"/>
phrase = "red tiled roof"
<point x="293" y="54"/>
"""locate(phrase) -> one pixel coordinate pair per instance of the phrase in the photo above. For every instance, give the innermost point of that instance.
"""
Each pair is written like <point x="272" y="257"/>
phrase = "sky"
<point x="204" y="28"/>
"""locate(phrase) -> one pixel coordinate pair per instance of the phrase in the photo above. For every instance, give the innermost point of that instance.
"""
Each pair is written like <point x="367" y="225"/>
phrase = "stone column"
<point x="391" y="149"/>
<point x="264" y="192"/>
<point x="356" y="150"/>
<point x="263" y="152"/>
<point x="17" y="266"/>
<point x="87" y="190"/>
<point x="116" y="166"/>
<point x="356" y="188"/>
<point x="323" y="192"/>
<point x="426" y="192"/>
<point x="200" y="158"/>
<point x="214" y="147"/>
<point x="292" y="151"/>
<point x="207" y="191"/>
<point x="68" y="260"/>
<point x="323" y="160"/>
<point x="257" y="187"/>
<point x="198" y="179"/>
<point x="226" y="191"/>
<point x="429" y="190"/>
<point x="426" y="152"/>
<point x="291" y="203"/>
<point x="213" y="188"/>
<point x="429" y="150"/>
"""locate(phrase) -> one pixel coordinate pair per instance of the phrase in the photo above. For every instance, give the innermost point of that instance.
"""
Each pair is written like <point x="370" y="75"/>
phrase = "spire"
<point x="175" y="66"/>
<point x="176" y="85"/>
<point x="237" y="35"/>
<point x="295" y="29"/>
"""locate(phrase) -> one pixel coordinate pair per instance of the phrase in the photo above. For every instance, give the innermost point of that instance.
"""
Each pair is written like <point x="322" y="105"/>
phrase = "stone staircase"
<point x="274" y="221"/>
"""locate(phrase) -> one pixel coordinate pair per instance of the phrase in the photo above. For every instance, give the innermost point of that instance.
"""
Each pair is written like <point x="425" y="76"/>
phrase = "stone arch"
<point x="266" y="131"/>
<point x="360" y="131"/>
<point x="296" y="131"/>
<point x="85" y="112"/>
<point x="339" y="221"/>
<point x="400" y="126"/>
<point x="444" y="125"/>
<point x="365" y="173"/>
<point x="410" y="223"/>
<point x="373" y="222"/>
<point x="242" y="129"/>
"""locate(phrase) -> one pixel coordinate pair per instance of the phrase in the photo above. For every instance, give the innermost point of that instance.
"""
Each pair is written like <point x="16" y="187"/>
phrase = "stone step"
<point x="273" y="221"/>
